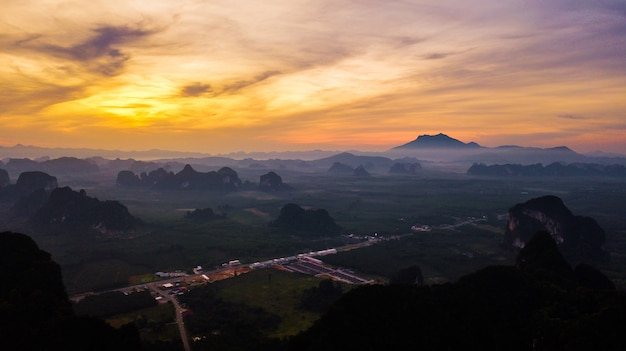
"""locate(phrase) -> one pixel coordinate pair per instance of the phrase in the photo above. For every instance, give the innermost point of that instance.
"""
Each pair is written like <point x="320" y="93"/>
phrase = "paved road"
<point x="178" y="311"/>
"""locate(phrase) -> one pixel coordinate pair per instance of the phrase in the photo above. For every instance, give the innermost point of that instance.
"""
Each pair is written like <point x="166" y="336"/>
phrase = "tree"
<point x="319" y="298"/>
<point x="409" y="275"/>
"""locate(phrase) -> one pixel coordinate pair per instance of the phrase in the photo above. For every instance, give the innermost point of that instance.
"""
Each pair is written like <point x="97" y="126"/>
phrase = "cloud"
<point x="19" y="100"/>
<point x="102" y="43"/>
<point x="241" y="84"/>
<point x="571" y="116"/>
<point x="196" y="89"/>
<point x="435" y="56"/>
<point x="101" y="53"/>
<point x="322" y="70"/>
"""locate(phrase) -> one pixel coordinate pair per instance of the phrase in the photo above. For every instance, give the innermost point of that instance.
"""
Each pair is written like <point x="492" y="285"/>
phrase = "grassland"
<point x="156" y="324"/>
<point x="277" y="292"/>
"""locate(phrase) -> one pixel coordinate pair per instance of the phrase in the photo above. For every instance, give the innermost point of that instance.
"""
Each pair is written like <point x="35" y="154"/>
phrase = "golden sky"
<point x="225" y="76"/>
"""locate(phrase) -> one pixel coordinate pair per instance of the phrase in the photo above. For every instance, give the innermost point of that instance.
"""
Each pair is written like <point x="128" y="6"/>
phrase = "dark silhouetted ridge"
<point x="439" y="141"/>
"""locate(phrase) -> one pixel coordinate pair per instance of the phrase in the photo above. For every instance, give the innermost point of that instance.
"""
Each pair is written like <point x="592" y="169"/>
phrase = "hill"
<point x="531" y="306"/>
<point x="581" y="238"/>
<point x="370" y="163"/>
<point x="65" y="209"/>
<point x="35" y="312"/>
<point x="552" y="170"/>
<point x="311" y="222"/>
<point x="225" y="179"/>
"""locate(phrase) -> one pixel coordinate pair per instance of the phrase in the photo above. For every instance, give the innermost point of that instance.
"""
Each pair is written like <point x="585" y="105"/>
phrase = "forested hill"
<point x="35" y="312"/>
<point x="539" y="304"/>
<point x="312" y="222"/>
<point x="555" y="169"/>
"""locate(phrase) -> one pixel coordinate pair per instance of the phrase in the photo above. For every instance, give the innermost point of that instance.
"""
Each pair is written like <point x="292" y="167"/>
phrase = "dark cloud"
<point x="408" y="41"/>
<point x="263" y="76"/>
<point x="27" y="39"/>
<point x="234" y="87"/>
<point x="195" y="89"/>
<point x="436" y="56"/>
<point x="101" y="45"/>
<point x="18" y="99"/>
<point x="199" y="89"/>
<point x="99" y="53"/>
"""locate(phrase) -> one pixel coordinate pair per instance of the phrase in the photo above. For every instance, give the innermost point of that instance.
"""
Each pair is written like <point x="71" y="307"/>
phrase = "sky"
<point x="240" y="75"/>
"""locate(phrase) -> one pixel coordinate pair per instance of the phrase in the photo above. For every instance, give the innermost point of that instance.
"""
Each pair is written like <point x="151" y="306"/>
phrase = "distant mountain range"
<point x="43" y="153"/>
<point x="440" y="149"/>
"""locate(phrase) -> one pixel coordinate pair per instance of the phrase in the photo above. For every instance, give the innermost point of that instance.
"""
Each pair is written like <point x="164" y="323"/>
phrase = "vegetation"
<point x="319" y="298"/>
<point x="74" y="209"/>
<point x="316" y="222"/>
<point x="442" y="255"/>
<point x="113" y="302"/>
<point x="278" y="292"/>
<point x="35" y="311"/>
<point x="555" y="169"/>
<point x="217" y="324"/>
<point x="467" y="216"/>
<point x="157" y="329"/>
<point x="409" y="275"/>
<point x="203" y="214"/>
<point x="539" y="305"/>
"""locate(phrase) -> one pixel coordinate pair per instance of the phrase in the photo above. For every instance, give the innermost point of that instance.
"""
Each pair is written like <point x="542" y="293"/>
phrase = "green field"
<point x="442" y="255"/>
<point x="156" y="324"/>
<point x="277" y="292"/>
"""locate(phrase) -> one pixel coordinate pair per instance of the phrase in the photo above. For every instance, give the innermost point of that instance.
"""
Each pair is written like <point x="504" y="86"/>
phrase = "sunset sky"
<point x="239" y="75"/>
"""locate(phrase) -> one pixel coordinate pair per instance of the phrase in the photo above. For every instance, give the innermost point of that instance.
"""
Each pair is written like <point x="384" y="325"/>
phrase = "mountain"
<point x="439" y="141"/>
<point x="225" y="179"/>
<point x="67" y="209"/>
<point x="272" y="182"/>
<point x="442" y="148"/>
<point x="555" y="169"/>
<point x="441" y="151"/>
<point x="340" y="168"/>
<point x="361" y="172"/>
<point x="579" y="237"/>
<point x="4" y="178"/>
<point x="309" y="222"/>
<point x="35" y="312"/>
<point x="405" y="168"/>
<point x="368" y="162"/>
<point x="529" y="155"/>
<point x="29" y="151"/>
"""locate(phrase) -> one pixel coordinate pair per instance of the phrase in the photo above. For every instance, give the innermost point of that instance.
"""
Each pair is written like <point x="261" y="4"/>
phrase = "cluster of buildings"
<point x="315" y="267"/>
<point x="305" y="263"/>
<point x="171" y="274"/>
<point x="286" y="260"/>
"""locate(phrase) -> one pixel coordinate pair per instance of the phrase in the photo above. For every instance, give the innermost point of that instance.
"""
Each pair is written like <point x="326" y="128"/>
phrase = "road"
<point x="178" y="311"/>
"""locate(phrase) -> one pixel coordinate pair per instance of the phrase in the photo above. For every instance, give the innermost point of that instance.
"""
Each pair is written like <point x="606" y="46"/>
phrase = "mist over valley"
<point x="203" y="235"/>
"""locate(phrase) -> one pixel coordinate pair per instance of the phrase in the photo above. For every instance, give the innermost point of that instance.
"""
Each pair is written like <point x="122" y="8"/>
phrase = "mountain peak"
<point x="437" y="141"/>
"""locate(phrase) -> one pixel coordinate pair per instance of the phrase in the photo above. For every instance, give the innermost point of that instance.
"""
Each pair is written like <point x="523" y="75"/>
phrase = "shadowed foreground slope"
<point x="35" y="312"/>
<point x="542" y="304"/>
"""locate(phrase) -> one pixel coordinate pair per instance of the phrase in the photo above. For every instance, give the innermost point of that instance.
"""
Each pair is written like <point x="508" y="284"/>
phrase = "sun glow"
<point x="300" y="74"/>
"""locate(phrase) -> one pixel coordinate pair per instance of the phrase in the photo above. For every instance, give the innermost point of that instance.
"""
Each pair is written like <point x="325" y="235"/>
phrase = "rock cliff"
<point x="579" y="237"/>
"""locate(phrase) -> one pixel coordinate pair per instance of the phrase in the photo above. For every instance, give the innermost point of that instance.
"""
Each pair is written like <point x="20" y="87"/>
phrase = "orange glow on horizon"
<point x="202" y="76"/>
